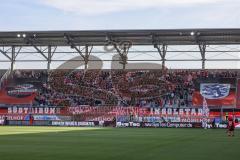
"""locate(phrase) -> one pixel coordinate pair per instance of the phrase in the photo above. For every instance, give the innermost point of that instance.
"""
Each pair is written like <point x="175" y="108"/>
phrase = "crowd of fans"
<point x="30" y="74"/>
<point x="74" y="88"/>
<point x="143" y="88"/>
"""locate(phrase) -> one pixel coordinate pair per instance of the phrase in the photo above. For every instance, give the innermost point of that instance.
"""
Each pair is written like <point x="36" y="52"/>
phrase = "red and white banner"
<point x="33" y="110"/>
<point x="108" y="113"/>
<point x="227" y="101"/>
<point x="135" y="111"/>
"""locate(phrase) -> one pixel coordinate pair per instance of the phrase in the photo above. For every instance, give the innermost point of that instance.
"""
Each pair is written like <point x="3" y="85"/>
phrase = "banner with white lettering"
<point x="34" y="110"/>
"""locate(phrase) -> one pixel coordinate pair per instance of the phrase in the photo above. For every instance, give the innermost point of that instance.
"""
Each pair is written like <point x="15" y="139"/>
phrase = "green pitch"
<point x="67" y="143"/>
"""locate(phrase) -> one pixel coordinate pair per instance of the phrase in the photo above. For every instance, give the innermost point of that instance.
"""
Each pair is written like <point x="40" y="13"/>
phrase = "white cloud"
<point x="108" y="6"/>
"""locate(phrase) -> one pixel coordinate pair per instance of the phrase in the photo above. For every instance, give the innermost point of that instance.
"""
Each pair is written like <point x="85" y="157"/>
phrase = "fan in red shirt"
<point x="231" y="126"/>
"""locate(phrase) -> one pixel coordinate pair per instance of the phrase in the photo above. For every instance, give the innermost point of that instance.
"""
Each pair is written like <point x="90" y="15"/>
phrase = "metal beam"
<point x="17" y="53"/>
<point x="41" y="52"/>
<point x="86" y="57"/>
<point x="162" y="50"/>
<point x="140" y="60"/>
<point x="143" y="51"/>
<point x="5" y="54"/>
<point x="50" y="55"/>
<point x="49" y="58"/>
<point x="87" y="54"/>
<point x="13" y="58"/>
<point x="81" y="52"/>
<point x="30" y="40"/>
<point x="138" y="37"/>
<point x="202" y="48"/>
<point x="73" y="45"/>
<point x="121" y="50"/>
<point x="123" y="53"/>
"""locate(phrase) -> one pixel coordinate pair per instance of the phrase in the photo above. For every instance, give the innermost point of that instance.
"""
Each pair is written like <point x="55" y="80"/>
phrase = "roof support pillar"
<point x="51" y="51"/>
<point x="85" y="55"/>
<point x="5" y="54"/>
<point x="39" y="51"/>
<point x="202" y="48"/>
<point x="123" y="53"/>
<point x="13" y="59"/>
<point x="31" y="41"/>
<point x="162" y="50"/>
<point x="49" y="58"/>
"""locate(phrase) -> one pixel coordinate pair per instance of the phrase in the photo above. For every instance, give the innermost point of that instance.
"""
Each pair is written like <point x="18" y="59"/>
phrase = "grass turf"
<point x="67" y="143"/>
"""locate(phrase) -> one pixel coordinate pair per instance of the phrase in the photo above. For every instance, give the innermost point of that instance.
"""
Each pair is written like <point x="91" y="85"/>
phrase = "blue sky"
<point x="118" y="14"/>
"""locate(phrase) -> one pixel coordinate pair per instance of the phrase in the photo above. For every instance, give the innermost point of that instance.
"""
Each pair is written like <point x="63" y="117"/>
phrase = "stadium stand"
<point x="141" y="88"/>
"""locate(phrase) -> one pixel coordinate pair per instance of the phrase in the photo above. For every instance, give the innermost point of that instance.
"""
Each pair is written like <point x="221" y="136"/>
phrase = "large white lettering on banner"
<point x="177" y="111"/>
<point x="36" y="110"/>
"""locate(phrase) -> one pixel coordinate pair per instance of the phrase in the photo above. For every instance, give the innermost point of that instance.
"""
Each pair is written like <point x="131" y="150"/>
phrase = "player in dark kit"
<point x="231" y="126"/>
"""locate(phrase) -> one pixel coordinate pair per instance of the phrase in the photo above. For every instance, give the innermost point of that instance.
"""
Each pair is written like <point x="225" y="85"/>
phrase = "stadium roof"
<point x="136" y="37"/>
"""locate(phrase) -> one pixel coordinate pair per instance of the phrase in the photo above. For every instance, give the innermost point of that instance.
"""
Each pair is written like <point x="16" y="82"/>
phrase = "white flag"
<point x="205" y="113"/>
